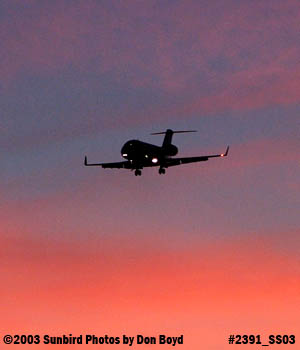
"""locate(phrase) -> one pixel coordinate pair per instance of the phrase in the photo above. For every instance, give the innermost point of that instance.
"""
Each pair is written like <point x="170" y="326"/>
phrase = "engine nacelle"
<point x="170" y="150"/>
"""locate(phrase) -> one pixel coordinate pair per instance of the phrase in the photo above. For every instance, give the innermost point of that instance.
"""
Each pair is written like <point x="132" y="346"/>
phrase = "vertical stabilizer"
<point x="168" y="137"/>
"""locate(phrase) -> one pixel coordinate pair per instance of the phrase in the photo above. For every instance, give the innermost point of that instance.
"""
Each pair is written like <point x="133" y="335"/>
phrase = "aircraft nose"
<point x="124" y="151"/>
<point x="128" y="148"/>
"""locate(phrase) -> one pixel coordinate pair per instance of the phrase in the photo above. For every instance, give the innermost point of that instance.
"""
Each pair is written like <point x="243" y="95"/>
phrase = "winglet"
<point x="227" y="150"/>
<point x="85" y="160"/>
<point x="225" y="154"/>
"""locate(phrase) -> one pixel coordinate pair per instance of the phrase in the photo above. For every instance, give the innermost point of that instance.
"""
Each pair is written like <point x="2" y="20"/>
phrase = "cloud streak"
<point x="247" y="59"/>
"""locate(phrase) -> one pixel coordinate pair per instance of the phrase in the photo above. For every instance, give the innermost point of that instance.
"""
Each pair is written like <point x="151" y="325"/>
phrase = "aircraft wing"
<point x="116" y="165"/>
<point x="186" y="160"/>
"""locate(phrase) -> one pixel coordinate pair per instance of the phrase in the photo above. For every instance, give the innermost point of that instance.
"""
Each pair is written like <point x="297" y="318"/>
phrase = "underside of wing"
<point x="115" y="165"/>
<point x="186" y="160"/>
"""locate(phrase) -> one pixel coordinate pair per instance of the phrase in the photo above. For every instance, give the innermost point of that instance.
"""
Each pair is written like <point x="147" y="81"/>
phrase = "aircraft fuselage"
<point x="145" y="153"/>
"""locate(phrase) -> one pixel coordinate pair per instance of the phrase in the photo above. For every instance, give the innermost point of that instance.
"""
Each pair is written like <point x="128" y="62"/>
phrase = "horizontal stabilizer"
<point x="174" y="132"/>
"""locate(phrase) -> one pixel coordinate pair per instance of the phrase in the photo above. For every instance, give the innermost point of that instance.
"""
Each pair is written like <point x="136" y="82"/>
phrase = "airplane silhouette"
<point x="140" y="155"/>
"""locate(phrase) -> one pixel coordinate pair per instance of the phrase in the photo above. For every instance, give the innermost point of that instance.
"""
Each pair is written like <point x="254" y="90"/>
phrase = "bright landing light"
<point x="154" y="160"/>
<point x="124" y="154"/>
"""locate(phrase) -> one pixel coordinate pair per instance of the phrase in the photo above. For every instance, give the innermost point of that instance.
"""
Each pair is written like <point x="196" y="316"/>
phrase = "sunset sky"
<point x="207" y="250"/>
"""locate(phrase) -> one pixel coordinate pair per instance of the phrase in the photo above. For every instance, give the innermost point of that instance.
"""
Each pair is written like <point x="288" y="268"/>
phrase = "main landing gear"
<point x="138" y="172"/>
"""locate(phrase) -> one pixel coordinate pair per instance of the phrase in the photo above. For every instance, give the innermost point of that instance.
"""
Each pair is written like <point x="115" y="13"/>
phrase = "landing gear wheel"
<point x="138" y="172"/>
<point x="161" y="171"/>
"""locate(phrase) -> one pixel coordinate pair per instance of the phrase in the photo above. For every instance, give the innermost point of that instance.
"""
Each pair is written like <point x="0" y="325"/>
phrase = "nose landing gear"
<point x="138" y="172"/>
<point x="161" y="171"/>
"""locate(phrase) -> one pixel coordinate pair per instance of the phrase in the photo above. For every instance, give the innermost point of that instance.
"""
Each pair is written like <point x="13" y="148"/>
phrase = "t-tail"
<point x="169" y="134"/>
